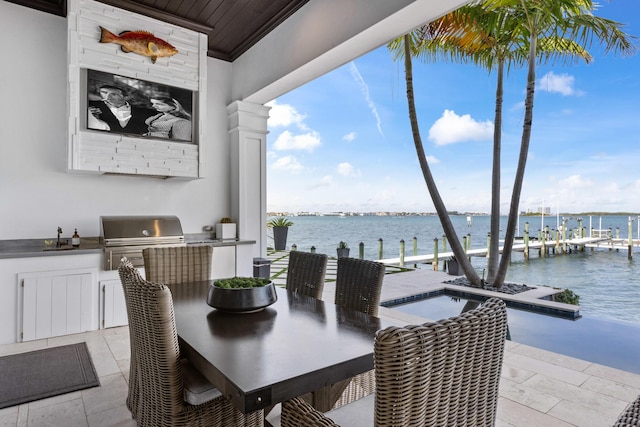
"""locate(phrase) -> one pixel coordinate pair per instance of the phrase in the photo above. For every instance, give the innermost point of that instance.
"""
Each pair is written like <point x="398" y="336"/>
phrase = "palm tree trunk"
<point x="447" y="226"/>
<point x="522" y="163"/>
<point x="494" y="243"/>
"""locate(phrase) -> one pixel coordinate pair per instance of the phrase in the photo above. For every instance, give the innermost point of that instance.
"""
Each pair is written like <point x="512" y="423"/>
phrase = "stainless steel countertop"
<point x="24" y="248"/>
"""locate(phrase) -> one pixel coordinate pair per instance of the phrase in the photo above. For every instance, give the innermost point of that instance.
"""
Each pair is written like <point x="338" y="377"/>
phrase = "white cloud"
<point x="575" y="181"/>
<point x="284" y="115"/>
<point x="451" y="128"/>
<point x="432" y="159"/>
<point x="287" y="141"/>
<point x="288" y="163"/>
<point x="562" y="84"/>
<point x="347" y="169"/>
<point x="364" y="88"/>
<point x="349" y="137"/>
<point x="325" y="181"/>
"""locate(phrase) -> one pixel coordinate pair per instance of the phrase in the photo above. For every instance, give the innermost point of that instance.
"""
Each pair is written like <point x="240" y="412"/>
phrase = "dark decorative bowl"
<point x="242" y="300"/>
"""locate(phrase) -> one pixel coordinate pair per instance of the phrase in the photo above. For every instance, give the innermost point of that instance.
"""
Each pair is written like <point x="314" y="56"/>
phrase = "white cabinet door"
<point x="114" y="308"/>
<point x="58" y="303"/>
<point x="223" y="264"/>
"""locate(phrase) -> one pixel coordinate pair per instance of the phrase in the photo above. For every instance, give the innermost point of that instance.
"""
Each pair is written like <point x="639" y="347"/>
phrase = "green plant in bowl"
<point x="242" y="294"/>
<point x="241" y="282"/>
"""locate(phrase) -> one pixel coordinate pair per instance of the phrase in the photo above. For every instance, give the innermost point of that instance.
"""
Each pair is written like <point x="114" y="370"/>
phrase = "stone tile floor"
<point x="538" y="388"/>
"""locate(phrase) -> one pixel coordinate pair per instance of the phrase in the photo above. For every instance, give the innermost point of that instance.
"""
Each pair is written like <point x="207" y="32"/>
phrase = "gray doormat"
<point x="44" y="373"/>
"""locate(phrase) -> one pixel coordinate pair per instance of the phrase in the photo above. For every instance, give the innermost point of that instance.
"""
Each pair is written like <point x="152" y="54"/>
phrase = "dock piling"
<point x="488" y="244"/>
<point x="630" y="254"/>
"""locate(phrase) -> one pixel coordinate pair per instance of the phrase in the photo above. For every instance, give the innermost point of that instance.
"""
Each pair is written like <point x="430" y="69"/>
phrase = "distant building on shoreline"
<point x="378" y="213"/>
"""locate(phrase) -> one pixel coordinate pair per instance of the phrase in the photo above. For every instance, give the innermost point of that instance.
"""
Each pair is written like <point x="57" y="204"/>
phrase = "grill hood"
<point x="140" y="230"/>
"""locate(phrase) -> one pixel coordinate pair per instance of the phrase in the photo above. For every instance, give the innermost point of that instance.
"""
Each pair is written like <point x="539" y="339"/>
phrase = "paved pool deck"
<point x="537" y="387"/>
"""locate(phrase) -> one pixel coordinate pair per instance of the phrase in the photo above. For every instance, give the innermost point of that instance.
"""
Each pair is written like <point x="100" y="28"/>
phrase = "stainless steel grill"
<point x="129" y="235"/>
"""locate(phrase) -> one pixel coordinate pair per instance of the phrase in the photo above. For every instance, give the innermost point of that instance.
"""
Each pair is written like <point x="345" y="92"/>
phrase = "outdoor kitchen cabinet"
<point x="113" y="306"/>
<point x="56" y="303"/>
<point x="223" y="263"/>
<point x="74" y="276"/>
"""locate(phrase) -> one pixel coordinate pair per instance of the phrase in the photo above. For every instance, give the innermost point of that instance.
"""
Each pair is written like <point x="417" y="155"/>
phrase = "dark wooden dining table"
<point x="298" y="345"/>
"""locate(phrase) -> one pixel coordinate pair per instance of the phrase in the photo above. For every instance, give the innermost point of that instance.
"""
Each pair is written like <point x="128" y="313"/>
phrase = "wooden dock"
<point x="616" y="244"/>
<point x="541" y="246"/>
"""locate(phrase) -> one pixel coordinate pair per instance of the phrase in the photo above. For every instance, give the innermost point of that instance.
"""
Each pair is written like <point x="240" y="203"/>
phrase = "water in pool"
<point x="611" y="343"/>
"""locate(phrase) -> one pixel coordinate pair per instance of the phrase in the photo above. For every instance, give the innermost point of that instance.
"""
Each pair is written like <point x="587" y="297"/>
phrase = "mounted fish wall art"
<point x="139" y="108"/>
<point x="141" y="42"/>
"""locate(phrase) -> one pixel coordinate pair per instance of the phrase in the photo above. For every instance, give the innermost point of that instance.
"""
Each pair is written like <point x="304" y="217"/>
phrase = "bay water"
<point x="606" y="281"/>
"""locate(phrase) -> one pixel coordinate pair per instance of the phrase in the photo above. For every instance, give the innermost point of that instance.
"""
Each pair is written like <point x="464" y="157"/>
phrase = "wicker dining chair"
<point x="306" y="272"/>
<point x="631" y="416"/>
<point x="358" y="284"/>
<point x="443" y="373"/>
<point x="165" y="390"/>
<point x="178" y="264"/>
<point x="358" y="287"/>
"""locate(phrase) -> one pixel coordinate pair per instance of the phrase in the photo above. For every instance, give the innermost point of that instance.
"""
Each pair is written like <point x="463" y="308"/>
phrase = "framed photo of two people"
<point x="135" y="107"/>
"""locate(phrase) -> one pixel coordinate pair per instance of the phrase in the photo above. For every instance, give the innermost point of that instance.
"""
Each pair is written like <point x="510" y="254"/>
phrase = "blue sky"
<point x="343" y="141"/>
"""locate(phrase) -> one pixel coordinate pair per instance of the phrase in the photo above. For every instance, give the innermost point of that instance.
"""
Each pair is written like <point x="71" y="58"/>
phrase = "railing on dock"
<point x="547" y="241"/>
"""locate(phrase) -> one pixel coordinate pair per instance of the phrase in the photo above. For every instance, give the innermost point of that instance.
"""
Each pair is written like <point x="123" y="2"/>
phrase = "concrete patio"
<point x="538" y="388"/>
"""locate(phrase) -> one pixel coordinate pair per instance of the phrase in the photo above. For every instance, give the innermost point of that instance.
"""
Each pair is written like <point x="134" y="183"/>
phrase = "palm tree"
<point x="550" y="23"/>
<point x="484" y="37"/>
<point x="495" y="34"/>
<point x="438" y="203"/>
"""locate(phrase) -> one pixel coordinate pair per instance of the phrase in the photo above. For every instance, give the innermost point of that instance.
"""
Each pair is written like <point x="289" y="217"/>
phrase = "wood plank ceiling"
<point x="233" y="26"/>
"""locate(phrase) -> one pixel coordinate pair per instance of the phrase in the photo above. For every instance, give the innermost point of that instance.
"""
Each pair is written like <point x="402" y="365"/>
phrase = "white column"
<point x="248" y="139"/>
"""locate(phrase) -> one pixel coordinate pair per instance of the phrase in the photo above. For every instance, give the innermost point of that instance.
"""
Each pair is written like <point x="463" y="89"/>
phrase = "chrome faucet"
<point x="59" y="243"/>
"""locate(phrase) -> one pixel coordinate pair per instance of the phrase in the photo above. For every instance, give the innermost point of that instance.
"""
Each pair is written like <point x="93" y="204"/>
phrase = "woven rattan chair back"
<point x="443" y="373"/>
<point x="358" y="284"/>
<point x="306" y="272"/>
<point x="156" y="383"/>
<point x="358" y="287"/>
<point x="449" y="371"/>
<point x="177" y="264"/>
<point x="631" y="416"/>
